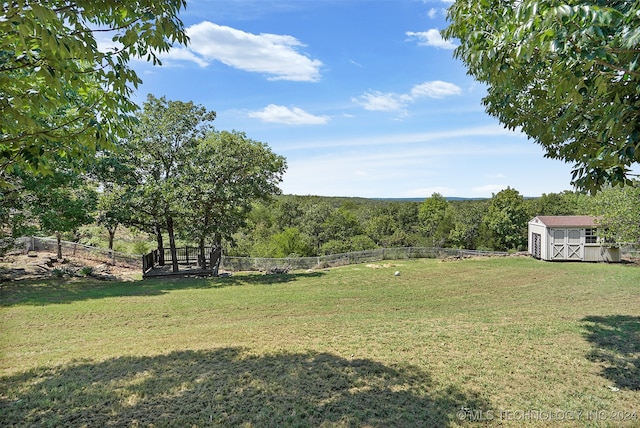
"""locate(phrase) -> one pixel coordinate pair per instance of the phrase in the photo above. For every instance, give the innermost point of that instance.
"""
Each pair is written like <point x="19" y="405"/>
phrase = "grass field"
<point x="498" y="341"/>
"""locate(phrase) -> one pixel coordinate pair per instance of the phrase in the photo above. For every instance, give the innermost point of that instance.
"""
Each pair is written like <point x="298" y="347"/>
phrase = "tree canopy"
<point x="62" y="90"/>
<point x="565" y="72"/>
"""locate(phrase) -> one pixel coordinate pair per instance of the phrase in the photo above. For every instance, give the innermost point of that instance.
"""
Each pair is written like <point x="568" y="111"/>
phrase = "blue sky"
<point x="362" y="97"/>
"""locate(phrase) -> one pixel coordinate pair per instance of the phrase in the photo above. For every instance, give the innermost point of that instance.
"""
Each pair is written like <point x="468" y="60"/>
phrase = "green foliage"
<point x="60" y="202"/>
<point x="436" y="219"/>
<point x="85" y="271"/>
<point x="141" y="247"/>
<point x="220" y="178"/>
<point x="157" y="152"/>
<point x="620" y="212"/>
<point x="565" y="73"/>
<point x="340" y="225"/>
<point x="565" y="203"/>
<point x="507" y="219"/>
<point x="63" y="95"/>
<point x="467" y="219"/>
<point x="380" y="228"/>
<point x="288" y="243"/>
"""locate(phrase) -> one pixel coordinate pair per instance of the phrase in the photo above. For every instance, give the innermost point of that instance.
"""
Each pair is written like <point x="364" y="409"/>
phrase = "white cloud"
<point x="378" y="101"/>
<point x="435" y="89"/>
<point x="394" y="139"/>
<point x="281" y="114"/>
<point x="390" y="101"/>
<point x="275" y="55"/>
<point x="430" y="37"/>
<point x="182" y="54"/>
<point x="432" y="12"/>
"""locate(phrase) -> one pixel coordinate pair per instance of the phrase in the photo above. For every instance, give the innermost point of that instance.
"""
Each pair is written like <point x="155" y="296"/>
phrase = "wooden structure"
<point x="569" y="238"/>
<point x="188" y="260"/>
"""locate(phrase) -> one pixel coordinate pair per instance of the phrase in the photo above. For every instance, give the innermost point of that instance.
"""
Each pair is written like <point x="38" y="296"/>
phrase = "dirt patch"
<point x="377" y="266"/>
<point x="41" y="265"/>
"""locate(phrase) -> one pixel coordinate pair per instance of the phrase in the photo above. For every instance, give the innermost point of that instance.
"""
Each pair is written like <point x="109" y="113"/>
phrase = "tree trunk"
<point x="216" y="258"/>
<point x="202" y="258"/>
<point x="172" y="244"/>
<point x="59" y="242"/>
<point x="160" y="242"/>
<point x="112" y="235"/>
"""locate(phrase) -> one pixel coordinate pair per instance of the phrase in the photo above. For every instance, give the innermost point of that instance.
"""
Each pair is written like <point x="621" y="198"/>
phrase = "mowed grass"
<point x="496" y="341"/>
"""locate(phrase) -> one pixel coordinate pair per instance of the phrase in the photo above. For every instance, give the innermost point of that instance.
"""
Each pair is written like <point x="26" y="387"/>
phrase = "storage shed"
<point x="574" y="238"/>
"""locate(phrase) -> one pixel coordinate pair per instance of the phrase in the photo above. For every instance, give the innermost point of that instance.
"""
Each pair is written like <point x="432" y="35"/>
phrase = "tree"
<point x="467" y="219"/>
<point x="113" y="210"/>
<point x="220" y="178"/>
<point x="619" y="210"/>
<point x="565" y="203"/>
<point x="380" y="227"/>
<point x="60" y="92"/>
<point x="340" y="225"/>
<point x="288" y="243"/>
<point x="60" y="202"/>
<point x="157" y="149"/>
<point x="507" y="219"/>
<point x="435" y="219"/>
<point x="566" y="73"/>
<point x="313" y="223"/>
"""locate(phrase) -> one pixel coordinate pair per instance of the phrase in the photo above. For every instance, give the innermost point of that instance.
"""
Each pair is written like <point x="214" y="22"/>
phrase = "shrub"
<point x="140" y="247"/>
<point x="86" y="271"/>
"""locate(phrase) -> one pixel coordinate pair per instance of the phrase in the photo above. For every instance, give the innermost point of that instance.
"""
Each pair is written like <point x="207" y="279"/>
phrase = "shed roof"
<point x="568" y="220"/>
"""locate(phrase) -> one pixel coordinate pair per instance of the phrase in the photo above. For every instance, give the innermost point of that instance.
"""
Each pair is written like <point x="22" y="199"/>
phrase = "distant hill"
<point x="448" y="198"/>
<point x="356" y="199"/>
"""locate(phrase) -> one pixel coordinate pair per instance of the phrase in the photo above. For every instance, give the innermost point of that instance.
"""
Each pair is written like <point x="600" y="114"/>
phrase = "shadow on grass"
<point x="228" y="387"/>
<point x="616" y="347"/>
<point x="56" y="291"/>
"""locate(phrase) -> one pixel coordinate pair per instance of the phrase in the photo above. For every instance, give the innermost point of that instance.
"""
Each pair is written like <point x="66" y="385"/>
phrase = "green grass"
<point x="504" y="341"/>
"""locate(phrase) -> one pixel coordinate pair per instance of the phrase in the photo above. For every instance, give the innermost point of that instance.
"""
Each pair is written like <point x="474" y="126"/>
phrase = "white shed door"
<point x="558" y="245"/>
<point x="574" y="245"/>
<point x="566" y="244"/>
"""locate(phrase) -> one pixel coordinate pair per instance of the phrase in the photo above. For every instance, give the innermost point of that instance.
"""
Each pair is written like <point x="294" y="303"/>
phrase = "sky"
<point x="362" y="97"/>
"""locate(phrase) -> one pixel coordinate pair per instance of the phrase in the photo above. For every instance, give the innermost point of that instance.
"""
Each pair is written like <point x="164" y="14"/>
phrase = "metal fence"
<point x="368" y="256"/>
<point x="234" y="264"/>
<point x="75" y="249"/>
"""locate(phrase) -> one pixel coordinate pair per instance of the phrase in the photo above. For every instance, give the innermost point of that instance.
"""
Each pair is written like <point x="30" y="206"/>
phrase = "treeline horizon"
<point x="289" y="225"/>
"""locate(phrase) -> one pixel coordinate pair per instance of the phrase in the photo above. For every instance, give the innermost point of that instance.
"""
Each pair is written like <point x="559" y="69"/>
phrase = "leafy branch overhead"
<point x="62" y="91"/>
<point x="564" y="72"/>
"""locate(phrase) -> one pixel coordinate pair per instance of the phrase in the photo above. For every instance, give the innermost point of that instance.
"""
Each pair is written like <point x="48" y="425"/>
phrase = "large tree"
<point x="220" y="178"/>
<point x="565" y="72"/>
<point x="506" y="220"/>
<point x="436" y="220"/>
<point x="61" y="92"/>
<point x="158" y="149"/>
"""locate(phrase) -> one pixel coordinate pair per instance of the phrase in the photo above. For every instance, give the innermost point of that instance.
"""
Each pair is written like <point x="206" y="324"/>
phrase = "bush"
<point x="140" y="247"/>
<point x="86" y="271"/>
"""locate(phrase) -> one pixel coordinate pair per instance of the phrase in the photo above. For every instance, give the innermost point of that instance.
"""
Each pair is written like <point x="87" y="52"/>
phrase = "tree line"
<point x="290" y="225"/>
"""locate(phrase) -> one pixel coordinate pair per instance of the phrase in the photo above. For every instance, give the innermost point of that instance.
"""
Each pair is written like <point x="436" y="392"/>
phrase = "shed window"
<point x="590" y="236"/>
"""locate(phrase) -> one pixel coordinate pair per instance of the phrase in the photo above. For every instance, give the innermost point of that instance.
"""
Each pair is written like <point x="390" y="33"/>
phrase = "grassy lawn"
<point x="499" y="341"/>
